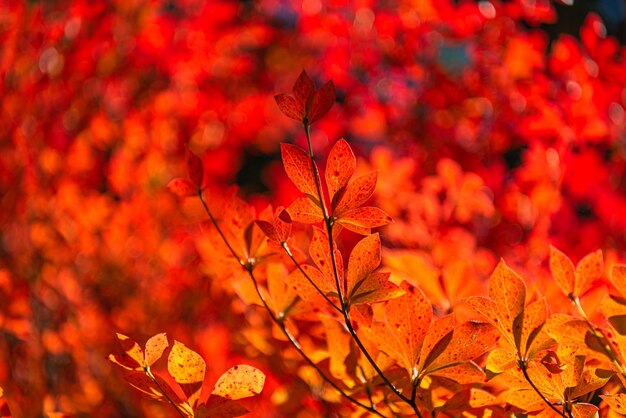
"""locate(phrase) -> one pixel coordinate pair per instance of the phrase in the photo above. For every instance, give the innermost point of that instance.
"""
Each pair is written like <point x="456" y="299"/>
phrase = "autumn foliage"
<point x="429" y="220"/>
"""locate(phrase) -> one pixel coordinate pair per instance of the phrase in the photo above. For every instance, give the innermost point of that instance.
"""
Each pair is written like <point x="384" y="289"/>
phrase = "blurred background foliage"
<point x="498" y="127"/>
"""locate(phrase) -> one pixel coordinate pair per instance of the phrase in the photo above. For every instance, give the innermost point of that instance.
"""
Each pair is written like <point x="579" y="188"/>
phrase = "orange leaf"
<point x="364" y="259"/>
<point x="590" y="268"/>
<point x="469" y="399"/>
<point x="402" y="333"/>
<point x="584" y="410"/>
<point x="304" y="210"/>
<point x="319" y="250"/>
<point x="432" y="347"/>
<point x="360" y="220"/>
<point x="239" y="382"/>
<point x="299" y="169"/>
<point x="535" y="316"/>
<point x="356" y="193"/>
<point x="505" y="307"/>
<point x="500" y="360"/>
<point x="338" y="341"/>
<point x="282" y="296"/>
<point x="616" y="402"/>
<point x="375" y="288"/>
<point x="155" y="347"/>
<point x="562" y="270"/>
<point x="303" y="287"/>
<point x="469" y="340"/>
<point x="187" y="368"/>
<point x="463" y="373"/>
<point x="130" y="357"/>
<point x="340" y="166"/>
<point x="618" y="277"/>
<point x="182" y="187"/>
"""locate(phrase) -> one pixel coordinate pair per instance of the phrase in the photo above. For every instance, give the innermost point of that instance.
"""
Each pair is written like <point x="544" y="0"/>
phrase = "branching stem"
<point x="343" y="303"/>
<point x="279" y="321"/>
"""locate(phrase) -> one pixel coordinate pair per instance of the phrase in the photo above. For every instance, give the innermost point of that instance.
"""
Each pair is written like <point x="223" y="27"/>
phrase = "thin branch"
<point x="523" y="365"/>
<point x="279" y="322"/>
<point x="342" y="301"/>
<point x="297" y="264"/>
<point x="156" y="382"/>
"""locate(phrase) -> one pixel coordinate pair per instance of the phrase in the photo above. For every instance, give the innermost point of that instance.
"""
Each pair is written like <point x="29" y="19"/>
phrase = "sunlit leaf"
<point x="155" y="347"/>
<point x="340" y="166"/>
<point x="299" y="168"/>
<point x="187" y="368"/>
<point x="239" y="382"/>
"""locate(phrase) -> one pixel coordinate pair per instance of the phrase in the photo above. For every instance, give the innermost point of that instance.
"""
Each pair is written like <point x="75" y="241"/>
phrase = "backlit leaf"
<point x="299" y="168"/>
<point x="356" y="193"/>
<point x="364" y="259"/>
<point x="562" y="270"/>
<point x="304" y="210"/>
<point x="239" y="382"/>
<point x="155" y="347"/>
<point x="319" y="250"/>
<point x="288" y="106"/>
<point x="588" y="269"/>
<point x="616" y="402"/>
<point x="361" y="220"/>
<point x="130" y="356"/>
<point x="219" y="407"/>
<point x="340" y="166"/>
<point x="187" y="368"/>
<point x="505" y="306"/>
<point x="618" y="277"/>
<point x="322" y="101"/>
<point x="401" y="335"/>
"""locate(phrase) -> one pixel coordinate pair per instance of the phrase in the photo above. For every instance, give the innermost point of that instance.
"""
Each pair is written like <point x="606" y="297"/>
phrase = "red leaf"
<point x="361" y="220"/>
<point x="182" y="187"/>
<point x="402" y="334"/>
<point x="268" y="229"/>
<point x="195" y="170"/>
<point x="322" y="102"/>
<point x="218" y="407"/>
<point x="299" y="168"/>
<point x="288" y="106"/>
<point x="303" y="91"/>
<point x="357" y="192"/>
<point x="304" y="210"/>
<point x="340" y="166"/>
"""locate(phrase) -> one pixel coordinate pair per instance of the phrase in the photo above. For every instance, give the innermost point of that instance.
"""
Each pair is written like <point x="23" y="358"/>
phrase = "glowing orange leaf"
<point x="505" y="306"/>
<point x="187" y="368"/>
<point x="340" y="166"/>
<point x="239" y="382"/>
<point x="299" y="169"/>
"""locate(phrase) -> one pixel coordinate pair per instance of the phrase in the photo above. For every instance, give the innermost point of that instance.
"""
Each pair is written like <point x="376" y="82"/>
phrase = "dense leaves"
<point x="483" y="132"/>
